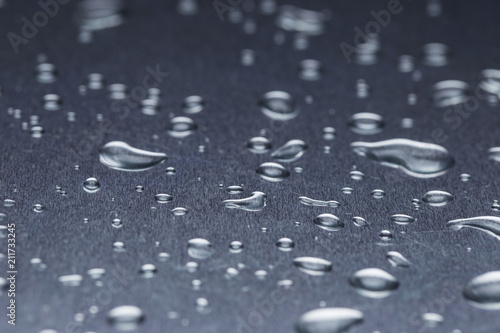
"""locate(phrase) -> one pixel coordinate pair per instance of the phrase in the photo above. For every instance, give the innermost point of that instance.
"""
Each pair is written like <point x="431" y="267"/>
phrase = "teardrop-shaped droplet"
<point x="119" y="155"/>
<point x="366" y="123"/>
<point x="320" y="203"/>
<point x="290" y="151"/>
<point x="396" y="259"/>
<point x="483" y="291"/>
<point x="417" y="159"/>
<point x="329" y="320"/>
<point x="437" y="198"/>
<point x="125" y="317"/>
<point x="374" y="282"/>
<point x="328" y="222"/>
<point x="91" y="185"/>
<point x="256" y="202"/>
<point x="402" y="219"/>
<point x="488" y="224"/>
<point x="272" y="172"/>
<point x="313" y="265"/>
<point x="278" y="105"/>
<point x="199" y="248"/>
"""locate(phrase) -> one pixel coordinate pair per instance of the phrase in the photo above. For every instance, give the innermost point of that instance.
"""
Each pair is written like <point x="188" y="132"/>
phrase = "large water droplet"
<point x="488" y="224"/>
<point x="256" y="202"/>
<point x="290" y="151"/>
<point x="483" y="291"/>
<point x="125" y="317"/>
<point x="437" y="198"/>
<point x="329" y="320"/>
<point x="273" y="172"/>
<point x="313" y="265"/>
<point x="374" y="282"/>
<point x="328" y="222"/>
<point x="366" y="123"/>
<point x="320" y="203"/>
<point x="119" y="155"/>
<point x="417" y="159"/>
<point x="278" y="105"/>
<point x="199" y="248"/>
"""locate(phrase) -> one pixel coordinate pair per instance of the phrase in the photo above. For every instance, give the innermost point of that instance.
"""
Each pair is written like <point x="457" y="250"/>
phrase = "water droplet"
<point x="256" y="202"/>
<point x="96" y="273"/>
<point x="495" y="206"/>
<point x="264" y="229"/>
<point x="125" y="317"/>
<point x="310" y="70"/>
<point x="402" y="219"/>
<point x="312" y="202"/>
<point x="298" y="169"/>
<point x="46" y="73"/>
<point x="150" y="106"/>
<point x="435" y="54"/>
<point x="356" y="175"/>
<point x="488" y="224"/>
<point x="278" y="105"/>
<point x="465" y="177"/>
<point x="360" y="222"/>
<point x="285" y="244"/>
<point x="163" y="256"/>
<point x="483" y="291"/>
<point x="437" y="198"/>
<point x="308" y="22"/>
<point x="259" y="145"/>
<point x="170" y="171"/>
<point x="235" y="247"/>
<point x="95" y="81"/>
<point x="180" y="127"/>
<point x="328" y="222"/>
<point x="52" y="102"/>
<point x="234" y="189"/>
<point x="490" y="81"/>
<point x="285" y="284"/>
<point x="432" y="319"/>
<point x="366" y="123"/>
<point x="272" y="172"/>
<point x="71" y="280"/>
<point x="377" y="194"/>
<point x="119" y="246"/>
<point x="261" y="274"/>
<point x="290" y="151"/>
<point x="449" y="93"/>
<point x="247" y="57"/>
<point x="163" y="198"/>
<point x="328" y="320"/>
<point x="347" y="190"/>
<point x="312" y="265"/>
<point x="199" y="248"/>
<point x="193" y="104"/>
<point x="192" y="266"/>
<point x="117" y="223"/>
<point x="202" y="305"/>
<point x="385" y="235"/>
<point x="119" y="155"/>
<point x="117" y="91"/>
<point x="147" y="271"/>
<point x="179" y="211"/>
<point x="407" y="123"/>
<point x="139" y="188"/>
<point x="417" y="159"/>
<point x="38" y="208"/>
<point x="9" y="203"/>
<point x="91" y="185"/>
<point x="406" y="63"/>
<point x="37" y="132"/>
<point x="396" y="259"/>
<point x="374" y="282"/>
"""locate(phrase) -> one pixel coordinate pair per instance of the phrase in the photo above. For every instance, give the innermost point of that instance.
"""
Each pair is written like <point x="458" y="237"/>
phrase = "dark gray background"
<point x="201" y="53"/>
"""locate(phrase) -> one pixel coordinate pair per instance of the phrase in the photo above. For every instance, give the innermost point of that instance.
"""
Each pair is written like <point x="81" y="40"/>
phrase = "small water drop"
<point x="163" y="198"/>
<point x="199" y="248"/>
<point x="278" y="105"/>
<point x="272" y="172"/>
<point x="373" y="282"/>
<point x="91" y="185"/>
<point x="285" y="244"/>
<point x="366" y="123"/>
<point x="313" y="265"/>
<point x="437" y="198"/>
<point x="119" y="155"/>
<point x="125" y="317"/>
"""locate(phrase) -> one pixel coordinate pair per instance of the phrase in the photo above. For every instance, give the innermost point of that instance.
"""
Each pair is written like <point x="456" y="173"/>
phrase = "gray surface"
<point x="202" y="56"/>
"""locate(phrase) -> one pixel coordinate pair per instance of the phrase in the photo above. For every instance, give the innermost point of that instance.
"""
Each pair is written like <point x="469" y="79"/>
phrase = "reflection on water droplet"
<point x="272" y="172"/>
<point x="483" y="291"/>
<point x="360" y="222"/>
<point x="256" y="202"/>
<point x="402" y="219"/>
<point x="329" y="320"/>
<point x="278" y="105"/>
<point x="91" y="185"/>
<point x="449" y="93"/>
<point x="163" y="198"/>
<point x="290" y="151"/>
<point x="328" y="222"/>
<point x="374" y="282"/>
<point x="259" y="145"/>
<point x="396" y="259"/>
<point x="366" y="123"/>
<point x="377" y="194"/>
<point x="356" y="175"/>
<point x="180" y="127"/>
<point x="234" y="189"/>
<point x="199" y="248"/>
<point x="38" y="208"/>
<point x="312" y="265"/>
<point x="385" y="235"/>
<point x="179" y="211"/>
<point x="9" y="203"/>
<point x="417" y="159"/>
<point x="117" y="223"/>
<point x="488" y="224"/>
<point x="407" y="123"/>
<point x="312" y="202"/>
<point x="119" y="155"/>
<point x="235" y="247"/>
<point x="285" y="244"/>
<point x="437" y="198"/>
<point x="125" y="317"/>
<point x="347" y="190"/>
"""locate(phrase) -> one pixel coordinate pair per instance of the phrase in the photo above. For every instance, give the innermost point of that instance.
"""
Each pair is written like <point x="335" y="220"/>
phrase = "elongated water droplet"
<point x="199" y="248"/>
<point x="437" y="198"/>
<point x="328" y="222"/>
<point x="396" y="259"/>
<point x="272" y="172"/>
<point x="278" y="105"/>
<point x="119" y="155"/>
<point x="488" y="224"/>
<point x="125" y="317"/>
<point x="312" y="202"/>
<point x="483" y="291"/>
<point x="163" y="198"/>
<point x="377" y="194"/>
<point x="417" y="159"/>
<point x="253" y="203"/>
<point x="402" y="219"/>
<point x="329" y="320"/>
<point x="234" y="189"/>
<point x="73" y="280"/>
<point x="290" y="151"/>
<point x="360" y="222"/>
<point x="313" y="265"/>
<point x="366" y="123"/>
<point x="374" y="282"/>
